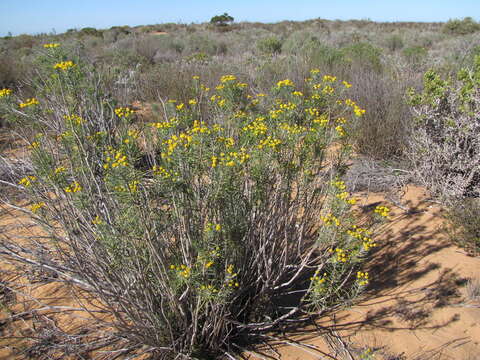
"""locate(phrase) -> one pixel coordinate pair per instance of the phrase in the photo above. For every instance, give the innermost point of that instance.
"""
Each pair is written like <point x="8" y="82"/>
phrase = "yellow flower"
<point x="180" y="106"/>
<point x="346" y="84"/>
<point x="209" y="264"/>
<point x="27" y="181"/>
<point x="51" y="46"/>
<point x="5" y="92"/>
<point x="195" y="77"/>
<point x="382" y="211"/>
<point x="352" y="201"/>
<point x="123" y="112"/>
<point x="330" y="219"/>
<point x="60" y="169"/>
<point x="97" y="220"/>
<point x="192" y="102"/>
<point x="340" y="130"/>
<point x="74" y="119"/>
<point x="73" y="187"/>
<point x="329" y="78"/>
<point x="362" y="278"/>
<point x="29" y="102"/>
<point x="227" y="78"/>
<point x="284" y="83"/>
<point x="64" y="65"/>
<point x="37" y="206"/>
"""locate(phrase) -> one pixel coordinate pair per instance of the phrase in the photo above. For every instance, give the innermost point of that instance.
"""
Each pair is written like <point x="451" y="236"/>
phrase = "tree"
<point x="221" y="20"/>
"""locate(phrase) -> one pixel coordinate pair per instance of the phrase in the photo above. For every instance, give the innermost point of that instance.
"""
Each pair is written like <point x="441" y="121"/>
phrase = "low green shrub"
<point x="461" y="27"/>
<point x="394" y="43"/>
<point x="415" y="54"/>
<point x="444" y="146"/>
<point x="270" y="45"/>
<point x="465" y="224"/>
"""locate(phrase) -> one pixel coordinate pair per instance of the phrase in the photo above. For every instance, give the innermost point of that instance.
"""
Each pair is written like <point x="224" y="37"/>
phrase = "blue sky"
<point x="36" y="16"/>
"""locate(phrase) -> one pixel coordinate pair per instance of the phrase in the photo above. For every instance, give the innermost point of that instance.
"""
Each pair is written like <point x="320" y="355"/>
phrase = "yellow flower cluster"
<point x="257" y="126"/>
<point x="132" y="135"/>
<point x="64" y="65"/>
<point x="217" y="98"/>
<point x="164" y="124"/>
<point x="132" y="187"/>
<point x="74" y="119"/>
<point x="287" y="106"/>
<point x="114" y="158"/>
<point x="362" y="278"/>
<point x="346" y="84"/>
<point x="199" y="127"/>
<point x="312" y="112"/>
<point x="59" y="170"/>
<point x="339" y="184"/>
<point x="51" y="46"/>
<point x="213" y="227"/>
<point x="98" y="135"/>
<point x="356" y="109"/>
<point x="5" y="92"/>
<point x="340" y="255"/>
<point x="37" y="206"/>
<point x="231" y="277"/>
<point x="344" y="196"/>
<point x="364" y="235"/>
<point x="73" y="187"/>
<point x="35" y="145"/>
<point x="29" y="102"/>
<point x="340" y="130"/>
<point x="182" y="270"/>
<point x="97" y="220"/>
<point x="330" y="219"/>
<point x="27" y="181"/>
<point x="230" y="159"/>
<point x="275" y="113"/>
<point x="284" y="83"/>
<point x="382" y="211"/>
<point x="329" y="78"/>
<point x="161" y="171"/>
<point x="174" y="141"/>
<point x="227" y="141"/>
<point x="209" y="288"/>
<point x="318" y="279"/>
<point x="323" y="120"/>
<point x="314" y="71"/>
<point x="227" y="78"/>
<point x="292" y="129"/>
<point x="269" y="142"/>
<point x="328" y="90"/>
<point x="297" y="93"/>
<point x="123" y="112"/>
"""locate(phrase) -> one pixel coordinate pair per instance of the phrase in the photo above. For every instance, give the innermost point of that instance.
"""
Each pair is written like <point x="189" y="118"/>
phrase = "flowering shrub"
<point x="194" y="230"/>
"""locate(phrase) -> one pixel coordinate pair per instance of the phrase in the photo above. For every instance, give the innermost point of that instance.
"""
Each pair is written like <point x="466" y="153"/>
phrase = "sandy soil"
<point x="416" y="306"/>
